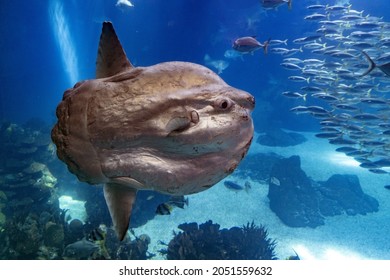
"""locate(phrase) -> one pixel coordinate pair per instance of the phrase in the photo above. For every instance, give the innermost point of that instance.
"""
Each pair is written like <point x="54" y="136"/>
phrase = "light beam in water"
<point x="64" y="40"/>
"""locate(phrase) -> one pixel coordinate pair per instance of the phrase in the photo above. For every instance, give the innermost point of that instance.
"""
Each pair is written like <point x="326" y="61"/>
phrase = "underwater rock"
<point x="28" y="203"/>
<point x="343" y="193"/>
<point x="47" y="253"/>
<point x="23" y="157"/>
<point x="16" y="204"/>
<point x="42" y="139"/>
<point x="14" y="164"/>
<point x="292" y="196"/>
<point x="3" y="199"/>
<point x="208" y="242"/>
<point x="138" y="248"/>
<point x="279" y="138"/>
<point x="257" y="166"/>
<point x="25" y="237"/>
<point x="54" y="234"/>
<point x="2" y="219"/>
<point x="47" y="179"/>
<point x="34" y="167"/>
<point x="300" y="202"/>
<point x="27" y="150"/>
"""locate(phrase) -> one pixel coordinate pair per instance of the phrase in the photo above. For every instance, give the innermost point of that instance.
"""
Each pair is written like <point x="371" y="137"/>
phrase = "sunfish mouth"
<point x="174" y="127"/>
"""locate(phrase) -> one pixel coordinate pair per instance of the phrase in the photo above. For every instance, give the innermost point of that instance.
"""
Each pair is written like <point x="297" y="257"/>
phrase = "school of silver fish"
<point x="342" y="77"/>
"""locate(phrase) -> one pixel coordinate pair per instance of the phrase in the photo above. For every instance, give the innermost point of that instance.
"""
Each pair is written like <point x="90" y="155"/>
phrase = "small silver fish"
<point x="274" y="181"/>
<point x="316" y="16"/>
<point x="294" y="94"/>
<point x="299" y="79"/>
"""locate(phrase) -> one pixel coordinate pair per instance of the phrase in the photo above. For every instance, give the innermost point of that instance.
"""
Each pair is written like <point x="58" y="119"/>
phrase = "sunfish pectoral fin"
<point x="120" y="200"/>
<point x="111" y="58"/>
<point x="178" y="124"/>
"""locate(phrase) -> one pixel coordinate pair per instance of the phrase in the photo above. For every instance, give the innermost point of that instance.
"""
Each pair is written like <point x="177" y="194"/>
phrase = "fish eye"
<point x="223" y="104"/>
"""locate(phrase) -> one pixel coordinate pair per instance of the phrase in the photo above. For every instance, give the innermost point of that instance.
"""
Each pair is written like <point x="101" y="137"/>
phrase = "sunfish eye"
<point x="223" y="104"/>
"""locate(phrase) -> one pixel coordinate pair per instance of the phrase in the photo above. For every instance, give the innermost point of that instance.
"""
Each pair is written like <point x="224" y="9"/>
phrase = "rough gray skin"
<point x="175" y="127"/>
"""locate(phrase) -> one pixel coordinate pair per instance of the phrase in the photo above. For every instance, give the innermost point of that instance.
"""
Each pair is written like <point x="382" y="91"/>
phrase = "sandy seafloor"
<point x="342" y="237"/>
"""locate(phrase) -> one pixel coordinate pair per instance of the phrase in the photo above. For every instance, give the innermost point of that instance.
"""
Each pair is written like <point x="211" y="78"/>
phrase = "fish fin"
<point x="111" y="58"/>
<point x="385" y="68"/>
<point x="178" y="124"/>
<point x="289" y="3"/>
<point x="186" y="201"/>
<point x="371" y="64"/>
<point x="265" y="46"/>
<point x="120" y="200"/>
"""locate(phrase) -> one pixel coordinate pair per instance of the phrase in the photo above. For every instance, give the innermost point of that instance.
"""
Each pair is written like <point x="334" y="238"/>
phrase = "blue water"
<point x="47" y="46"/>
<point x="36" y="68"/>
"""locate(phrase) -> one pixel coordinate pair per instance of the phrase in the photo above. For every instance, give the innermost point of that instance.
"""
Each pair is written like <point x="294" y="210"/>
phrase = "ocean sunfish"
<point x="174" y="127"/>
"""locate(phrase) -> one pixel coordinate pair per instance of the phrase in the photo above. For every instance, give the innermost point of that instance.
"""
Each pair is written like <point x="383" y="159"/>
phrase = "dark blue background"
<point x="32" y="75"/>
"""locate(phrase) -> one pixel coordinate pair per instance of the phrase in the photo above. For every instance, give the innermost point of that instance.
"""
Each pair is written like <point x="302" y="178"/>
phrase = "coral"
<point x="48" y="180"/>
<point x="129" y="249"/>
<point x="27" y="197"/>
<point x="53" y="234"/>
<point x="208" y="242"/>
<point x="24" y="236"/>
<point x="139" y="247"/>
<point x="3" y="196"/>
<point x="47" y="253"/>
<point x="34" y="167"/>
<point x="2" y="220"/>
<point x="3" y="199"/>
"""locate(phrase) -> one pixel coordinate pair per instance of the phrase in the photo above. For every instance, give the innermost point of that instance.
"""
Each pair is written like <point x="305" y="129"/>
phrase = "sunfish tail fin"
<point x="120" y="200"/>
<point x="111" y="58"/>
<point x="289" y="3"/>
<point x="371" y="64"/>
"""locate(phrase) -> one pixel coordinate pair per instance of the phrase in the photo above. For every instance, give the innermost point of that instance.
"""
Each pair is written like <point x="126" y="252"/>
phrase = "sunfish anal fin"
<point x="111" y="58"/>
<point x="120" y="200"/>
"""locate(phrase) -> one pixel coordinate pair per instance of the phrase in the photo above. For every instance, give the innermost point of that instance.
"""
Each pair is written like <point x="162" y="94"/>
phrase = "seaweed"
<point x="208" y="242"/>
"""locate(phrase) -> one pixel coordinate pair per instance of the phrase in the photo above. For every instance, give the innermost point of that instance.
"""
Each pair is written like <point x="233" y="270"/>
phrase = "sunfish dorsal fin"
<point x="111" y="58"/>
<point x="120" y="200"/>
